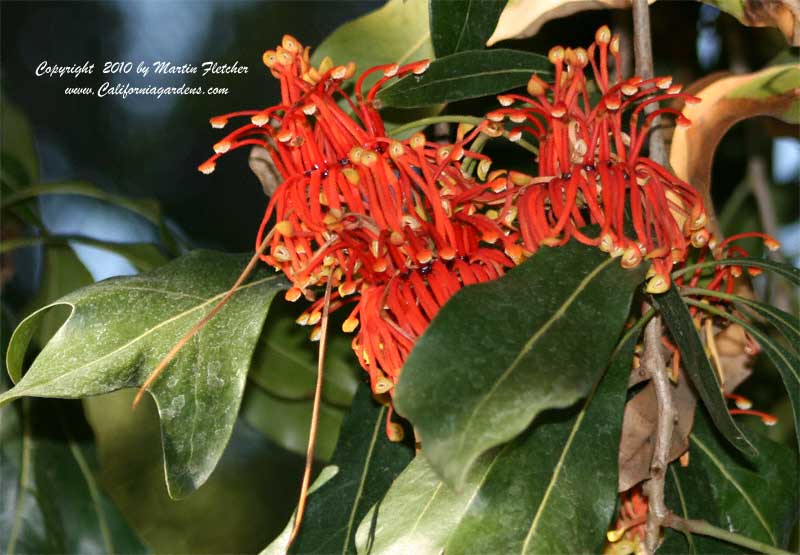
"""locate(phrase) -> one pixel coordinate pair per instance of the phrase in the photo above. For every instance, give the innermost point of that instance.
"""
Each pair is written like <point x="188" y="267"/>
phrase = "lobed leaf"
<point x="499" y="353"/>
<point x="119" y="329"/>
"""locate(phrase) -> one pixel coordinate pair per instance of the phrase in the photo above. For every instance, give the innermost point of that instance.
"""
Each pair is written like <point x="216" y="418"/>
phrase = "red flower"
<point x="591" y="170"/>
<point x="396" y="226"/>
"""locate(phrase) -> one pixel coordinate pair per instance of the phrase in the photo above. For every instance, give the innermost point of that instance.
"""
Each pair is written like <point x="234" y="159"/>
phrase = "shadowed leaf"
<point x="499" y="353"/>
<point x="458" y="25"/>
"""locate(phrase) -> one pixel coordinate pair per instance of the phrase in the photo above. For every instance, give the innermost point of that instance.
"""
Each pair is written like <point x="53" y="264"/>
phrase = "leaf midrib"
<point x="735" y="484"/>
<point x="529" y="346"/>
<point x="140" y="336"/>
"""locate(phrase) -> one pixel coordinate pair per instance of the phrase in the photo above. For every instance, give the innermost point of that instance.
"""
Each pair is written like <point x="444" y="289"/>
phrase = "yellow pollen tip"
<point x="422" y="68"/>
<point x="285" y="228"/>
<point x="302" y="319"/>
<point x="664" y="83"/>
<point x="290" y="43"/>
<point x="314" y="317"/>
<point x="260" y="119"/>
<point x="207" y="167"/>
<point x="447" y="253"/>
<point x="556" y="54"/>
<point x="316" y="333"/>
<point x="270" y="58"/>
<point x="222" y="147"/>
<point x="496" y="116"/>
<point x="309" y="109"/>
<point x="391" y="71"/>
<point x="483" y="168"/>
<point x="424" y="256"/>
<point x="505" y="100"/>
<point x="395" y="432"/>
<point x="417" y="140"/>
<point x="293" y="294"/>
<point x="536" y="86"/>
<point x="614" y="46"/>
<point x="772" y="244"/>
<point x="349" y="325"/>
<point x="658" y="284"/>
<point x="218" y="123"/>
<point x="325" y="64"/>
<point x="603" y="35"/>
<point x="339" y="73"/>
<point x="382" y="385"/>
<point x="396" y="149"/>
<point x="614" y="536"/>
<point x="351" y="175"/>
<point x="285" y="135"/>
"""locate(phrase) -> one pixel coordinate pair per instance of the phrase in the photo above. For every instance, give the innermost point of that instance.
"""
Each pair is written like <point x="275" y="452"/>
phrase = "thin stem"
<point x="643" y="55"/>
<point x="703" y="528"/>
<point x="474" y="120"/>
<point x="312" y="433"/>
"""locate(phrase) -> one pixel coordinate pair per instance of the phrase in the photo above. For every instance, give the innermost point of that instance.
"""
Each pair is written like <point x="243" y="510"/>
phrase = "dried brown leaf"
<point x="783" y="14"/>
<point x="262" y="165"/>
<point x="523" y="18"/>
<point x="726" y="100"/>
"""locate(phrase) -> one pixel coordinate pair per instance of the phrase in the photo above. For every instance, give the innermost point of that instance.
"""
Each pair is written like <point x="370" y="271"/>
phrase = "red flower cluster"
<point x="591" y="170"/>
<point x="396" y="226"/>
<point x="399" y="226"/>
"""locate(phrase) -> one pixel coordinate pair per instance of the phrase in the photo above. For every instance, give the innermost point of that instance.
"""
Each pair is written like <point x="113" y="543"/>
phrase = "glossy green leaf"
<point x="785" y="360"/>
<point x="147" y="209"/>
<point x="52" y="501"/>
<point x="143" y="256"/>
<point x="242" y="506"/>
<point x="756" y="497"/>
<point x="694" y="360"/>
<point x="397" y="32"/>
<point x="464" y="75"/>
<point x="784" y="270"/>
<point x="119" y="329"/>
<point x="499" y="353"/>
<point x="367" y="465"/>
<point x="458" y="25"/>
<point x="530" y="496"/>
<point x="62" y="273"/>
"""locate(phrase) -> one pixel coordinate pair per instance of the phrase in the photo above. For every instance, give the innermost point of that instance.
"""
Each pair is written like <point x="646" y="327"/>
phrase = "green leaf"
<point x="752" y="496"/>
<point x="17" y="139"/>
<point x="285" y="361"/>
<point x="785" y="360"/>
<point x="242" y="506"/>
<point x="62" y="273"/>
<point x="397" y="32"/>
<point x="464" y="75"/>
<point x="784" y="270"/>
<point x="143" y="256"/>
<point x="694" y="360"/>
<point x="499" y="353"/>
<point x="368" y="463"/>
<point x="147" y="209"/>
<point x="286" y="422"/>
<point x="50" y="493"/>
<point x="282" y="380"/>
<point x="119" y="329"/>
<point x="531" y="496"/>
<point x="458" y="25"/>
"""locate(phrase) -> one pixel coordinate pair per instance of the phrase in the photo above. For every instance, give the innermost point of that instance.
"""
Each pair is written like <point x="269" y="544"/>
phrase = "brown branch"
<point x="653" y="357"/>
<point x="688" y="526"/>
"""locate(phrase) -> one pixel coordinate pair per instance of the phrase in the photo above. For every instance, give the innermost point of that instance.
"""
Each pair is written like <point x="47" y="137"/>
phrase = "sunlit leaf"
<point x="119" y="329"/>
<point x="783" y="14"/>
<point x="499" y="353"/>
<point x="523" y="18"/>
<point x="469" y="74"/>
<point x="397" y="32"/>
<point x="529" y="496"/>
<point x="458" y="25"/>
